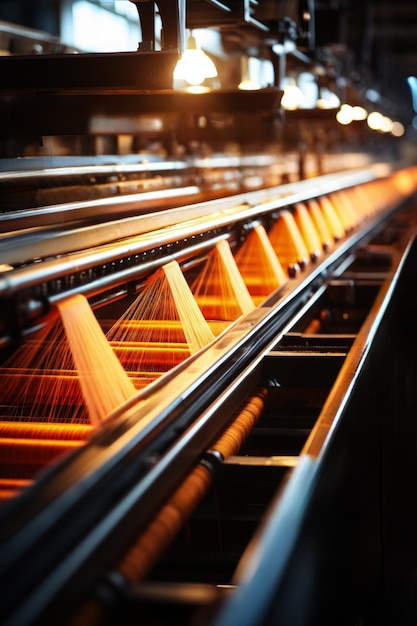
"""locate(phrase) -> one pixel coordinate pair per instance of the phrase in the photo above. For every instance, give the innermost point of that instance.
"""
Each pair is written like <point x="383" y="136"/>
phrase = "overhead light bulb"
<point x="292" y="97"/>
<point x="247" y="83"/>
<point x="375" y="120"/>
<point x="194" y="66"/>
<point x="328" y="99"/>
<point x="398" y="129"/>
<point x="345" y="114"/>
<point x="386" y="126"/>
<point x="359" y="113"/>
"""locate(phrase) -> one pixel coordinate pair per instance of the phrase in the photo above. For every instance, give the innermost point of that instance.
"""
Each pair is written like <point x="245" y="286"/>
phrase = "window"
<point x="103" y="26"/>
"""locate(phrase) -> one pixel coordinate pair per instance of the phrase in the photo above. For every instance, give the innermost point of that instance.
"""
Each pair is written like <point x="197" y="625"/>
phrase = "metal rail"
<point x="107" y="256"/>
<point x="56" y="239"/>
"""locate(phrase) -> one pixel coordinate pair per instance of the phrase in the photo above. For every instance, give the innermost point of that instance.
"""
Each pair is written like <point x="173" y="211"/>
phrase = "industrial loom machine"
<point x="208" y="334"/>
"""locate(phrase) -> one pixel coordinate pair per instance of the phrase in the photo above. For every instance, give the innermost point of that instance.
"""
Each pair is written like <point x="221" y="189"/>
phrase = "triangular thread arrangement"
<point x="67" y="373"/>
<point x="220" y="290"/>
<point x="259" y="265"/>
<point x="162" y="327"/>
<point x="104" y="382"/>
<point x="308" y="231"/>
<point x="196" y="329"/>
<point x="39" y="381"/>
<point x="321" y="225"/>
<point x="332" y="219"/>
<point x="288" y="242"/>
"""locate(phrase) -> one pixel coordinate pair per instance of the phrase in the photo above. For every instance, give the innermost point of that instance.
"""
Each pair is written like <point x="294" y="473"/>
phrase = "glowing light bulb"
<point x="359" y="113"/>
<point x="247" y="83"/>
<point x="397" y="129"/>
<point x="375" y="120"/>
<point x="386" y="126"/>
<point x="292" y="97"/>
<point x="194" y="66"/>
<point x="345" y="114"/>
<point x="328" y="99"/>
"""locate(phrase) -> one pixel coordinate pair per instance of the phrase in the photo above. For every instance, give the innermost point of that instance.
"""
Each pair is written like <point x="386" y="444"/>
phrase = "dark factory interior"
<point x="208" y="312"/>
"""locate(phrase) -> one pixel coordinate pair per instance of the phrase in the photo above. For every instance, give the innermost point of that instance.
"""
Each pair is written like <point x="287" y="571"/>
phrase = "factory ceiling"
<point x="373" y="43"/>
<point x="380" y="37"/>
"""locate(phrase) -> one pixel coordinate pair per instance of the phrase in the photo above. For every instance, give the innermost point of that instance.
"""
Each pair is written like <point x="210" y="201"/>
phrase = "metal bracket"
<point x="172" y="14"/>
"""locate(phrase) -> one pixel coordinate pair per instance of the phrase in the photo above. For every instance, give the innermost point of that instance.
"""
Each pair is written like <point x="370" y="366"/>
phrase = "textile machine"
<point x="257" y="462"/>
